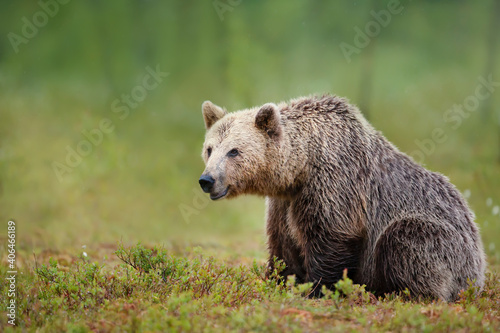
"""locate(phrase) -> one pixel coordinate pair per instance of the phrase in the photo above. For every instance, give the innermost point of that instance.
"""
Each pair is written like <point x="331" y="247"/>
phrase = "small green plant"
<point x="353" y="293"/>
<point x="303" y="289"/>
<point x="48" y="272"/>
<point x="275" y="269"/>
<point x="469" y="295"/>
<point x="141" y="258"/>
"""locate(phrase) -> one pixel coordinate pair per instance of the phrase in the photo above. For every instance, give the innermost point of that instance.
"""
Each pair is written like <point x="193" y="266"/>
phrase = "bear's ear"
<point x="268" y="120"/>
<point x="211" y="113"/>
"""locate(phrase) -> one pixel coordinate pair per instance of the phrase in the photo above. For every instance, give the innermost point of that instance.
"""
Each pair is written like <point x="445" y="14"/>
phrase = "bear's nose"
<point x="206" y="183"/>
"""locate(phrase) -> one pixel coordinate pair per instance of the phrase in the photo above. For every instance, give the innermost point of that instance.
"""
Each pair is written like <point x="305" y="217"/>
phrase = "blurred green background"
<point x="64" y="67"/>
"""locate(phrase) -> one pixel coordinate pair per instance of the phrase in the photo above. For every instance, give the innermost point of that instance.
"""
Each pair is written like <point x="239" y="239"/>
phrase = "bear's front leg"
<point x="325" y="263"/>
<point x="280" y="243"/>
<point x="330" y="230"/>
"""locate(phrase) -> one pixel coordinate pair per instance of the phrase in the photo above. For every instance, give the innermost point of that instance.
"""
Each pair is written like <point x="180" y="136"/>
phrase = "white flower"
<point x="84" y="254"/>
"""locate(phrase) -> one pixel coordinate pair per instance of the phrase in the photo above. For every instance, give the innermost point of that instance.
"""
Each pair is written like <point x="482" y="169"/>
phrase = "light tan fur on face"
<point x="263" y="164"/>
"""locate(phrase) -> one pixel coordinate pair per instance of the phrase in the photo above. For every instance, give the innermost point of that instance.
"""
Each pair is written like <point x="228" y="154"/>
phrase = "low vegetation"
<point x="157" y="289"/>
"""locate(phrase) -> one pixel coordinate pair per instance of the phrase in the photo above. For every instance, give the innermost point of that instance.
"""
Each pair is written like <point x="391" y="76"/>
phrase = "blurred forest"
<point x="65" y="66"/>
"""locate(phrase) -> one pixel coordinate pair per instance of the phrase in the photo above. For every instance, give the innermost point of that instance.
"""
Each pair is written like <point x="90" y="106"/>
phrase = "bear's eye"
<point x="209" y="151"/>
<point x="233" y="153"/>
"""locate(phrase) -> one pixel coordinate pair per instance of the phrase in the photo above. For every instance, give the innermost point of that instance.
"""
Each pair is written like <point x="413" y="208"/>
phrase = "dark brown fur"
<point x="339" y="195"/>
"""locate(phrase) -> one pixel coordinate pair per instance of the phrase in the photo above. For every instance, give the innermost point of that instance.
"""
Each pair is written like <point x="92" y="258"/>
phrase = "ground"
<point x="114" y="287"/>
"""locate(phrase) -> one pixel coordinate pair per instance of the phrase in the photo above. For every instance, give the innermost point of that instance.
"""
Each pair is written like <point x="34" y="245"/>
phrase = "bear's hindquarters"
<point x="431" y="259"/>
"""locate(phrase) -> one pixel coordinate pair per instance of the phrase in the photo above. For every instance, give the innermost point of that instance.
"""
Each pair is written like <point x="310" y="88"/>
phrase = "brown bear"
<point x="341" y="196"/>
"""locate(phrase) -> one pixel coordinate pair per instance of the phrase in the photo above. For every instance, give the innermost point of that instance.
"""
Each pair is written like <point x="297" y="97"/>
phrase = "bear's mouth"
<point x="219" y="196"/>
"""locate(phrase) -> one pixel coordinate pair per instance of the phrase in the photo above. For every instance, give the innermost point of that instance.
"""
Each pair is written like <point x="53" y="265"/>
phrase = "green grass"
<point x="158" y="289"/>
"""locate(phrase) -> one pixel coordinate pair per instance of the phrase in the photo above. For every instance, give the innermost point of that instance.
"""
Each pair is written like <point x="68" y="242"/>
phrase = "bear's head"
<point x="238" y="148"/>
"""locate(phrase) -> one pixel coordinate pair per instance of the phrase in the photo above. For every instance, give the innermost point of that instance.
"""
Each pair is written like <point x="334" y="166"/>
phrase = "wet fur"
<point x="339" y="195"/>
